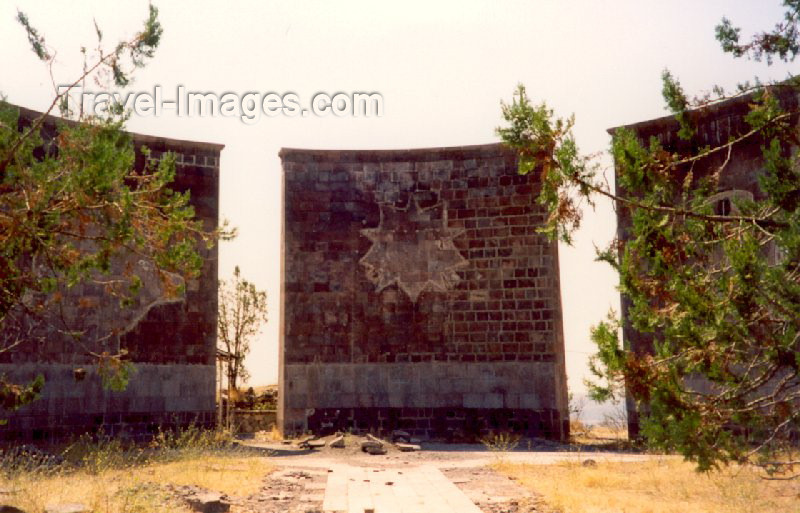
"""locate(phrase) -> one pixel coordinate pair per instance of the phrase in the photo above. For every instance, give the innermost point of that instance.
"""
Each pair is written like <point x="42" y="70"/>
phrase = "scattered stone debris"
<point x="401" y="442"/>
<point x="295" y="474"/>
<point x="310" y="442"/>
<point x="407" y="447"/>
<point x="373" y="447"/>
<point x="208" y="502"/>
<point x="316" y="444"/>
<point x="296" y="490"/>
<point x="72" y="507"/>
<point x="303" y="442"/>
<point x="400" y="436"/>
<point x="200" y="499"/>
<point x="337" y="442"/>
<point x="494" y="493"/>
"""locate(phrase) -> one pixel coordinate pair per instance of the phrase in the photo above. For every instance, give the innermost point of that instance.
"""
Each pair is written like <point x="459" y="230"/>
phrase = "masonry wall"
<point x="417" y="294"/>
<point x="171" y="342"/>
<point x="715" y="126"/>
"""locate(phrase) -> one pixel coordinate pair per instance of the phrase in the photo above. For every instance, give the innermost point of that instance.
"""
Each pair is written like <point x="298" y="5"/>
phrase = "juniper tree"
<point x="73" y="205"/>
<point x="722" y="381"/>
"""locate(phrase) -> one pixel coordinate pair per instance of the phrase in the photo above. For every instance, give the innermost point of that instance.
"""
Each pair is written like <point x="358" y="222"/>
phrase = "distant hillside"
<point x="261" y="389"/>
<point x="596" y="413"/>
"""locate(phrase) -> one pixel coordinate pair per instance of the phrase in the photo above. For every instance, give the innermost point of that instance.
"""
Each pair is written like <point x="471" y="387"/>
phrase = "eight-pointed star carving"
<point x="413" y="247"/>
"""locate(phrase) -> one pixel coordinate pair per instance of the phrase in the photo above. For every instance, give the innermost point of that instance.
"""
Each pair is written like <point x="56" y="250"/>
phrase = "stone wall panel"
<point x="399" y="261"/>
<point x="172" y="345"/>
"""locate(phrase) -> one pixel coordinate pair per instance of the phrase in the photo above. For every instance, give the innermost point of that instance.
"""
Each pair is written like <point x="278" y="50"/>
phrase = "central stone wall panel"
<point x="419" y="294"/>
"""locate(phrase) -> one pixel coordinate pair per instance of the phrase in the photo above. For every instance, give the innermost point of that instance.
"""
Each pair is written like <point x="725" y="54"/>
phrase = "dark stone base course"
<point x="129" y="426"/>
<point x="450" y="424"/>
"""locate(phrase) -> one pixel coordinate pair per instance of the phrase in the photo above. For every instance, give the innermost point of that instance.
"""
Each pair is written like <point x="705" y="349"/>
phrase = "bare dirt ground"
<point x="299" y="484"/>
<point x="294" y="490"/>
<point x="493" y="492"/>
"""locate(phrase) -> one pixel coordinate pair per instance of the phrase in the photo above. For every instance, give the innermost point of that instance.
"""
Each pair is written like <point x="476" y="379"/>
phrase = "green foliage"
<point x="115" y="372"/>
<point x="501" y="442"/>
<point x="546" y="144"/>
<point x="13" y="396"/>
<point x="96" y="454"/>
<point x="783" y="41"/>
<point x="34" y="38"/>
<point x="242" y="311"/>
<point x="191" y="440"/>
<point x="718" y="294"/>
<point x="138" y="51"/>
<point x="73" y="206"/>
<point x="607" y="364"/>
<point x="722" y="315"/>
<point x="676" y="101"/>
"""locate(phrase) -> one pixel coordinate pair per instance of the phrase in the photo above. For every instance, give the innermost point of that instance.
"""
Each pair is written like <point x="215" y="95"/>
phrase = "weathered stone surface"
<point x="170" y="340"/>
<point x="376" y="450"/>
<point x="408" y="447"/>
<point x="372" y="447"/>
<point x="303" y="442"/>
<point x="400" y="436"/>
<point x="373" y="438"/>
<point x="419" y="295"/>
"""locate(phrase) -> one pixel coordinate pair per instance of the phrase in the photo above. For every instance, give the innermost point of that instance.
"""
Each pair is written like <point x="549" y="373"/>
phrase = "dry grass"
<point x="232" y="475"/>
<point x="593" y="435"/>
<point x="657" y="486"/>
<point x="112" y="480"/>
<point x="272" y="435"/>
<point x="501" y="442"/>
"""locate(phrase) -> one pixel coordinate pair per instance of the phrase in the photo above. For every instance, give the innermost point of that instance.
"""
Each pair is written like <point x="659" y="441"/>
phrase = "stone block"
<point x="493" y="401"/>
<point x="529" y="401"/>
<point x="473" y="400"/>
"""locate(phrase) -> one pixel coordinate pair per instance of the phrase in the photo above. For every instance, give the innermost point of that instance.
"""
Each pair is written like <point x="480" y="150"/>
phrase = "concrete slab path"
<point x="356" y="489"/>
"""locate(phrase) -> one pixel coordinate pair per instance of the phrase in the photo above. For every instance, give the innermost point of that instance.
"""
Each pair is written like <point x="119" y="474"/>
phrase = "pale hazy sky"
<point x="442" y="69"/>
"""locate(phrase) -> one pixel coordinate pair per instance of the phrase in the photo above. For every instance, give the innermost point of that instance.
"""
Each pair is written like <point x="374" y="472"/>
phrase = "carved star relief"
<point x="413" y="247"/>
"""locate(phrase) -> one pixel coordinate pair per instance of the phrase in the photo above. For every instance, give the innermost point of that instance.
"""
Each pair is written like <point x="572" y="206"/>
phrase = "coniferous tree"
<point x="722" y="381"/>
<point x="74" y="210"/>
